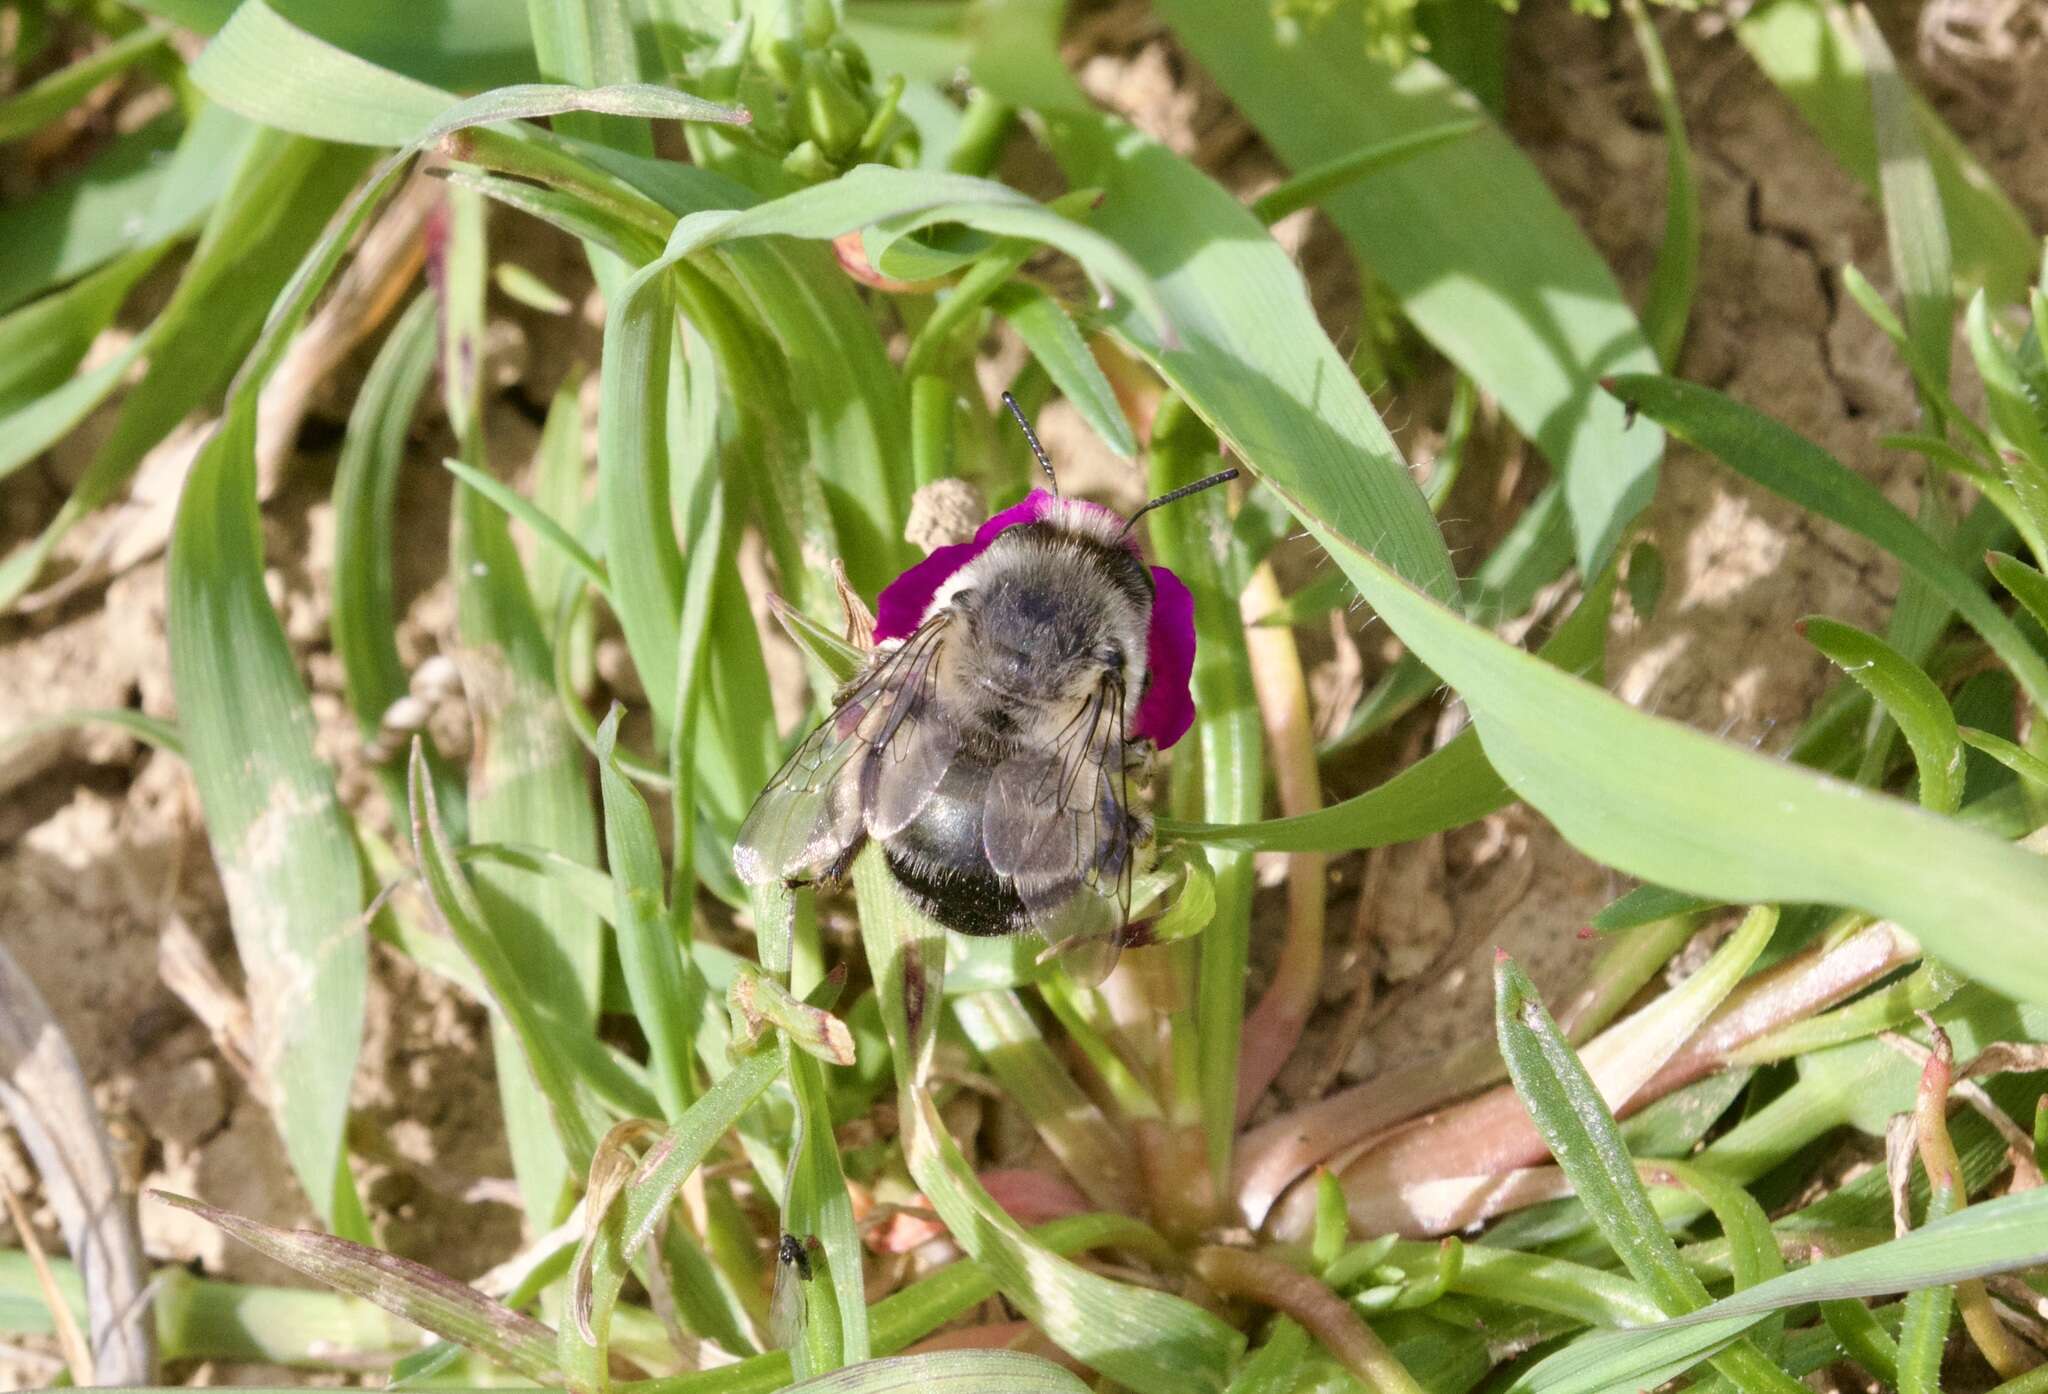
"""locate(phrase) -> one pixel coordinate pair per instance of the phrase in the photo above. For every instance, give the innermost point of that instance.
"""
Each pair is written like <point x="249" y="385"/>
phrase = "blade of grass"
<point x="1193" y="540"/>
<point x="668" y="995"/>
<point x="49" y="98"/>
<point x="516" y="505"/>
<point x="2020" y="761"/>
<point x="1576" y="1123"/>
<point x="429" y="1300"/>
<point x="1790" y="465"/>
<point x="818" y="1203"/>
<point x="1060" y="350"/>
<point x="1808" y="49"/>
<point x="1314" y="185"/>
<point x="457" y="909"/>
<point x="1668" y="304"/>
<point x="1911" y="699"/>
<point x="1447" y="788"/>
<point x="1915" y="232"/>
<point x="285" y="847"/>
<point x="364" y="622"/>
<point x="1997" y="1236"/>
<point x="280" y="198"/>
<point x="619" y="1233"/>
<point x="527" y="782"/>
<point x="1483" y="258"/>
<point x="43" y="341"/>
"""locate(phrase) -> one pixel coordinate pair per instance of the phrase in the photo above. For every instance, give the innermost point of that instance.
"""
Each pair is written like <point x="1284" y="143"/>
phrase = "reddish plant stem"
<point x="1324" y="1315"/>
<point x="1274" y="1027"/>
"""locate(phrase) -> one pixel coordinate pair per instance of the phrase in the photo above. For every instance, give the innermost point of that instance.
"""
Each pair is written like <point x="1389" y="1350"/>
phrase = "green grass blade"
<point x="668" y="994"/>
<point x="1193" y="539"/>
<point x="819" y="1204"/>
<point x="52" y="96"/>
<point x="1668" y="304"/>
<point x="1060" y="349"/>
<point x="904" y="203"/>
<point x="1915" y="232"/>
<point x="2015" y="413"/>
<point x="615" y="1237"/>
<point x="527" y="780"/>
<point x="1909" y="696"/>
<point x="516" y="505"/>
<point x="2021" y="762"/>
<point x="458" y="910"/>
<point x="1994" y="1236"/>
<point x="559" y="476"/>
<point x="281" y="197"/>
<point x="633" y="487"/>
<point x="35" y="426"/>
<point x="1574" y="1119"/>
<point x="1808" y="49"/>
<point x="284" y="846"/>
<point x="364" y="621"/>
<point x="1250" y="357"/>
<point x="42" y="342"/>
<point x="1722" y="821"/>
<point x="1481" y="255"/>
<point x="1447" y="788"/>
<point x="1312" y="186"/>
<point x="103" y="212"/>
<point x="2027" y="585"/>
<point x="429" y="1300"/>
<point x="589" y="43"/>
<point x="1790" y="465"/>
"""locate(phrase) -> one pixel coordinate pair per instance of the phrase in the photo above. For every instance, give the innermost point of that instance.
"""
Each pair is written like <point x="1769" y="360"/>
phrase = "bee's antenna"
<point x="1032" y="436"/>
<point x="1222" y="477"/>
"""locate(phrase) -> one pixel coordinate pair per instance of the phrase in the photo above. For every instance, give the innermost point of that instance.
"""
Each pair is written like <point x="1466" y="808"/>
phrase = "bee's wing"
<point x="1059" y="824"/>
<point x="881" y="752"/>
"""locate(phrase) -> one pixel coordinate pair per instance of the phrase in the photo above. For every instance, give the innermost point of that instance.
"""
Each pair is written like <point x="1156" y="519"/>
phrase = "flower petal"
<point x="1168" y="708"/>
<point x="1016" y="515"/>
<point x="901" y="606"/>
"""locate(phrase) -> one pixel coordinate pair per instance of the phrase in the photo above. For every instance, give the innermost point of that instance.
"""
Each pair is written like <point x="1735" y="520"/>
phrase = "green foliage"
<point x="793" y="344"/>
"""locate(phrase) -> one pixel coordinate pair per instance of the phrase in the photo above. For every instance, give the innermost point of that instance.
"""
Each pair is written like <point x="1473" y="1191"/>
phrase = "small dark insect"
<point x="989" y="743"/>
<point x="791" y="1251"/>
<point x="788" y="1307"/>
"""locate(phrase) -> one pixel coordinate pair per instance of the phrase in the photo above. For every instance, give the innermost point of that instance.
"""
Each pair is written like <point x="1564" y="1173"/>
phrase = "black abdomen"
<point x="941" y="864"/>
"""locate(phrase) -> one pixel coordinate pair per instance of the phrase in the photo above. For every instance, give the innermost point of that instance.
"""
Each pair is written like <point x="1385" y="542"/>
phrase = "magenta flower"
<point x="1166" y="709"/>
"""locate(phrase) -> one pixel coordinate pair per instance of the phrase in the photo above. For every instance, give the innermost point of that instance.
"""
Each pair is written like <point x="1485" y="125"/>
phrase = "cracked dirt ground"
<point x="101" y="848"/>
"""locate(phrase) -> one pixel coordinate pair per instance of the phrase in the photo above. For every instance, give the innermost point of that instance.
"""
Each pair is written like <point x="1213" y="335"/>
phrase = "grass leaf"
<point x="1909" y="696"/>
<point x="1994" y="1236"/>
<point x="1576" y="1123"/>
<point x="432" y="1301"/>
<point x="285" y="848"/>
<point x="1481" y="255"/>
<point x="1788" y="464"/>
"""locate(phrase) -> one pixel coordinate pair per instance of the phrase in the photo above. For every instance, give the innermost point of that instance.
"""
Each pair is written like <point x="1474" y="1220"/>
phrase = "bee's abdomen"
<point x="940" y="862"/>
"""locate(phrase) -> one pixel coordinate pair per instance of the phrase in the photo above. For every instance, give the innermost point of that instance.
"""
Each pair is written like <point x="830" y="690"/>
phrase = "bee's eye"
<point x="1111" y="656"/>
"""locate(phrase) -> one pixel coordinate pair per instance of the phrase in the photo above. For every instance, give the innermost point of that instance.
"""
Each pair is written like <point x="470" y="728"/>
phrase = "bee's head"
<point x="1044" y="624"/>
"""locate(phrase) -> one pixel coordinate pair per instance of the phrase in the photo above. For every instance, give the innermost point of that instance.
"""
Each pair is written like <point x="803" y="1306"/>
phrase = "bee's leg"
<point x="1138" y="758"/>
<point x="841" y="866"/>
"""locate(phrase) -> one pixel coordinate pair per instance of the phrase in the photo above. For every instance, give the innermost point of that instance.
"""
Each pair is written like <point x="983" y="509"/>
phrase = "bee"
<point x="989" y="751"/>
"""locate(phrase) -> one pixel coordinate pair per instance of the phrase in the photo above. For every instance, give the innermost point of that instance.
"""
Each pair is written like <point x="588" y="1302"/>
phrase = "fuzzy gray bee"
<point x="989" y="750"/>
